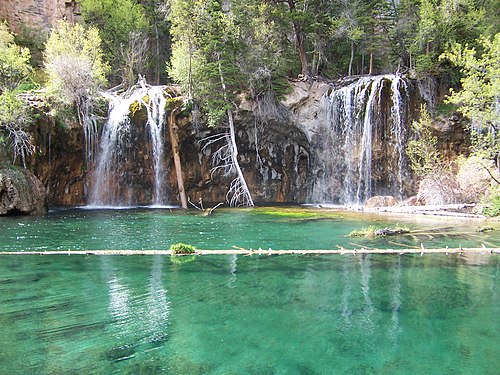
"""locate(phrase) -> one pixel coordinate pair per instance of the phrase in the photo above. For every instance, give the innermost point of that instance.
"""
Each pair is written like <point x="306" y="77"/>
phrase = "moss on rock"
<point x="21" y="193"/>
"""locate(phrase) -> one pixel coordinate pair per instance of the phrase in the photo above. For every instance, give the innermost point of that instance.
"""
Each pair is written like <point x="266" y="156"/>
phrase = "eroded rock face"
<point x="439" y="190"/>
<point x="357" y="130"/>
<point x="21" y="193"/>
<point x="60" y="160"/>
<point x="274" y="154"/>
<point x="41" y="14"/>
<point x="282" y="152"/>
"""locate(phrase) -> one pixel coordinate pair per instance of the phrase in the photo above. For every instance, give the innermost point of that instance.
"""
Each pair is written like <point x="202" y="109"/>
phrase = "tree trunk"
<point x="299" y="40"/>
<point x="352" y="58"/>
<point x="190" y="71"/>
<point x="174" y="140"/>
<point x="299" y="36"/>
<point x="157" y="40"/>
<point x="371" y="63"/>
<point x="363" y="52"/>
<point x="241" y="177"/>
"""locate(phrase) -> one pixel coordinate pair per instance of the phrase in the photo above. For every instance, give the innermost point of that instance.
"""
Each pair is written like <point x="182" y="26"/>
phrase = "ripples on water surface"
<point x="369" y="314"/>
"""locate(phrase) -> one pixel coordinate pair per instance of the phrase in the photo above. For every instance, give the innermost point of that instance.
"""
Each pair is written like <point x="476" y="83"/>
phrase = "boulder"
<point x="439" y="190"/>
<point x="412" y="201"/>
<point x="475" y="177"/>
<point x="21" y="193"/>
<point x="381" y="201"/>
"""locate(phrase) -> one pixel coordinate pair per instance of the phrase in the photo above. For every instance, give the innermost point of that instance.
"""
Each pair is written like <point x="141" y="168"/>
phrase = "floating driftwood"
<point x="245" y="252"/>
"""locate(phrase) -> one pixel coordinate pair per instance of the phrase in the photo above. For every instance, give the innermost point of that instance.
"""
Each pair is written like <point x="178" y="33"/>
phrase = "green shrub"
<point x="422" y="150"/>
<point x="182" y="248"/>
<point x="493" y="205"/>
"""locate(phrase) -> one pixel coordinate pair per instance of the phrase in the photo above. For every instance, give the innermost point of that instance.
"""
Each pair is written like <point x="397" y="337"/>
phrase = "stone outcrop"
<point x="274" y="155"/>
<point x="21" y="193"/>
<point x="475" y="177"/>
<point x="356" y="129"/>
<point x="439" y="190"/>
<point x="60" y="159"/>
<point x="41" y="14"/>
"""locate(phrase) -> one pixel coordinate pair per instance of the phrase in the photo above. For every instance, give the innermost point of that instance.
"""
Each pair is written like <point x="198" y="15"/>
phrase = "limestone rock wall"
<point x="273" y="153"/>
<point x="279" y="152"/>
<point x="59" y="158"/>
<point x="21" y="193"/>
<point x="42" y="14"/>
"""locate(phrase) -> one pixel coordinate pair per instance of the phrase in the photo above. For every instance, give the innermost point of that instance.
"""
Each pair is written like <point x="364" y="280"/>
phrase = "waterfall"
<point x="361" y="145"/>
<point x="120" y="177"/>
<point x="398" y="130"/>
<point x="156" y="122"/>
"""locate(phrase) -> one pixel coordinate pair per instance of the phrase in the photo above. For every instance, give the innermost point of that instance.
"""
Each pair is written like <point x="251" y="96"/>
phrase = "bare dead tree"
<point x="21" y="143"/>
<point x="15" y="117"/>
<point x="266" y="107"/>
<point x="135" y="56"/>
<point x="238" y="193"/>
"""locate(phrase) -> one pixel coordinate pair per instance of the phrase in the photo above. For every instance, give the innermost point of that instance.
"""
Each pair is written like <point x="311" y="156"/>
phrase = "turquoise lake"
<point x="265" y="227"/>
<point x="372" y="314"/>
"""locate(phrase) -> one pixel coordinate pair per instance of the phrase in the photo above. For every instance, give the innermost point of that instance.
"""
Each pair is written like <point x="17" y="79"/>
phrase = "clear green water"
<point x="371" y="314"/>
<point x="276" y="228"/>
<point x="250" y="315"/>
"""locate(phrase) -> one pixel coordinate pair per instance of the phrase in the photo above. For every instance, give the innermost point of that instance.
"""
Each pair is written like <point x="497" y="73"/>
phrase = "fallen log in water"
<point x="341" y="251"/>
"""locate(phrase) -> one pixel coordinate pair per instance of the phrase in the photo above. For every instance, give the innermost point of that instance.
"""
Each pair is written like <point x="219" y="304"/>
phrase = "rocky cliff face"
<point x="284" y="152"/>
<point x="41" y="14"/>
<point x="274" y="154"/>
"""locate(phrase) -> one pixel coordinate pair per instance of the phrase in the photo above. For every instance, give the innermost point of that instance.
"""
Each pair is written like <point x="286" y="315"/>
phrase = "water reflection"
<point x="232" y="270"/>
<point x="287" y="315"/>
<point x="140" y="311"/>
<point x="157" y="304"/>
<point x="395" y="300"/>
<point x="347" y="273"/>
<point x="365" y="265"/>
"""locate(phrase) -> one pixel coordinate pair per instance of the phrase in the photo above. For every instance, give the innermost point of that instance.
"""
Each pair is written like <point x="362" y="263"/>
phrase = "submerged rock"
<point x="21" y="193"/>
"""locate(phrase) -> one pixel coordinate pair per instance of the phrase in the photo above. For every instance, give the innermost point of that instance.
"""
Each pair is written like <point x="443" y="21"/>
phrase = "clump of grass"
<point x="365" y="232"/>
<point x="374" y="231"/>
<point x="181" y="249"/>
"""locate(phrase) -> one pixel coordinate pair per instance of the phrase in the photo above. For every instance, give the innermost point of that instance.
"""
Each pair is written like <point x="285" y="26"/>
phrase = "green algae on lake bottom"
<point x="229" y="314"/>
<point x="143" y="229"/>
<point x="236" y="314"/>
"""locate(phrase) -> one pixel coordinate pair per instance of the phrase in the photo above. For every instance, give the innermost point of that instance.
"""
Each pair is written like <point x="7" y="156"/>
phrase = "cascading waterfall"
<point x="361" y="145"/>
<point x="118" y="156"/>
<point x="156" y="122"/>
<point x="398" y="129"/>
